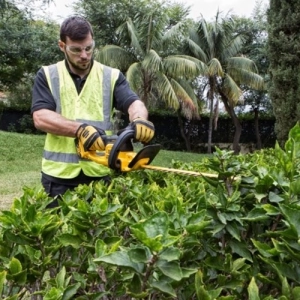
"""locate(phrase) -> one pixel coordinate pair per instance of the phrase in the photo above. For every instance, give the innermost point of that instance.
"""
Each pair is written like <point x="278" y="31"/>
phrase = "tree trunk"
<point x="238" y="127"/>
<point x="184" y="136"/>
<point x="210" y="126"/>
<point x="211" y="114"/>
<point x="257" y="134"/>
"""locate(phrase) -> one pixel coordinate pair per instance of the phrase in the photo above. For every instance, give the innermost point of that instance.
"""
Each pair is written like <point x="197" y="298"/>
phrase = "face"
<point x="78" y="54"/>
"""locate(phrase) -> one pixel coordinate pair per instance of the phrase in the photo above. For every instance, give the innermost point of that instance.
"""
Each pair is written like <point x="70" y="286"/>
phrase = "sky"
<point x="208" y="8"/>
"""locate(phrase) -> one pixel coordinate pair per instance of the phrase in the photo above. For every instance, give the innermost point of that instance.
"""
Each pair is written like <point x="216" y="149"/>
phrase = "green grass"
<point x="20" y="163"/>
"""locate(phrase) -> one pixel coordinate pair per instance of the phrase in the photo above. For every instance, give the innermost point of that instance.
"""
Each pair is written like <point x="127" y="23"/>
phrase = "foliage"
<point x="154" y="236"/>
<point x="106" y="16"/>
<point x="283" y="43"/>
<point x="146" y="53"/>
<point x="255" y="33"/>
<point x="20" y="162"/>
<point x="218" y="46"/>
<point x="26" y="45"/>
<point x="19" y="99"/>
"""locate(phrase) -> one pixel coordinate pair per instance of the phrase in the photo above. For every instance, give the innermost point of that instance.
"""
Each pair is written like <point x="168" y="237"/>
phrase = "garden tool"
<point x="119" y="155"/>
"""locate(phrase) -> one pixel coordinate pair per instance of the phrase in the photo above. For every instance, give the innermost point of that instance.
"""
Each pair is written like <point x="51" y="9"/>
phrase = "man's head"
<point x="75" y="28"/>
<point x="76" y="41"/>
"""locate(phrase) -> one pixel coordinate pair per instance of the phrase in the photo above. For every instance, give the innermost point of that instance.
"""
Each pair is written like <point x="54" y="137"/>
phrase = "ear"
<point x="61" y="45"/>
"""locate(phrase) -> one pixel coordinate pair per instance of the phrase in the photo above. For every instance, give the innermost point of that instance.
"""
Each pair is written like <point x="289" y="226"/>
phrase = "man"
<point x="74" y="98"/>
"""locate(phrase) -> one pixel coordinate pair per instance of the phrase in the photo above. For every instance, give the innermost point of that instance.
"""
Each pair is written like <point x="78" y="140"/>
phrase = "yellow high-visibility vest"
<point x="92" y="106"/>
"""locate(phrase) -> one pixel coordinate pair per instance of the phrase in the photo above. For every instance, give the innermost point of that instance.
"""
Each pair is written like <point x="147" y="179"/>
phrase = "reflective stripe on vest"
<point x="92" y="106"/>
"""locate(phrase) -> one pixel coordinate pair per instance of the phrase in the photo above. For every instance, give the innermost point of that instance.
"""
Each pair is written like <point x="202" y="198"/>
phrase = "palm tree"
<point x="153" y="73"/>
<point x="218" y="47"/>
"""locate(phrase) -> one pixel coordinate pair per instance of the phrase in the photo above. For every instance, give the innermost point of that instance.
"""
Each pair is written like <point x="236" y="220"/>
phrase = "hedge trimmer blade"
<point x="178" y="171"/>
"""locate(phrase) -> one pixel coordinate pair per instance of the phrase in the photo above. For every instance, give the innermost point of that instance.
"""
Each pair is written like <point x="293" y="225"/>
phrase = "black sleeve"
<point x="41" y="95"/>
<point x="123" y="95"/>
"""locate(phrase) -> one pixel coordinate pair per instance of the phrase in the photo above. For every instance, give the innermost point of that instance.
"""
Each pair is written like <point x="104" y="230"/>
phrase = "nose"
<point x="83" y="53"/>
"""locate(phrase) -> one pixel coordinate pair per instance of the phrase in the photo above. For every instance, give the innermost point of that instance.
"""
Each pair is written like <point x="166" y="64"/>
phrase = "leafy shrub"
<point x="152" y="235"/>
<point x="19" y="98"/>
<point x="24" y="125"/>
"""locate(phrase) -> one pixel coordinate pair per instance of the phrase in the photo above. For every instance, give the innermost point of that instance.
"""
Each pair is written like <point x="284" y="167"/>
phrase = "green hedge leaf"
<point x="253" y="290"/>
<point x="70" y="291"/>
<point x="15" y="266"/>
<point x="164" y="287"/>
<point x="170" y="269"/>
<point x="122" y="259"/>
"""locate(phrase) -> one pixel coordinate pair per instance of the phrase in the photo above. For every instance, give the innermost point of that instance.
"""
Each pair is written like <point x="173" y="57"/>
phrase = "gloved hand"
<point x="90" y="137"/>
<point x="143" y="130"/>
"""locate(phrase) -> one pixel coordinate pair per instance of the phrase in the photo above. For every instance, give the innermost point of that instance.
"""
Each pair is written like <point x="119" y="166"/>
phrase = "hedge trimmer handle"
<point x="119" y="154"/>
<point x="123" y="143"/>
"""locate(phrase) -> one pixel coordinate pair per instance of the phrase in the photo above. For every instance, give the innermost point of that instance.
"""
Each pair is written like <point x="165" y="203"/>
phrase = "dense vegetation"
<point x="230" y="235"/>
<point x="170" y="65"/>
<point x="284" y="64"/>
<point x="149" y="235"/>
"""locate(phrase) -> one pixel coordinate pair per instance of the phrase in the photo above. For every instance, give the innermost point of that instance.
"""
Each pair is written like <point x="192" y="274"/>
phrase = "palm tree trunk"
<point x="257" y="134"/>
<point x="211" y="114"/>
<point x="237" y="124"/>
<point x="184" y="136"/>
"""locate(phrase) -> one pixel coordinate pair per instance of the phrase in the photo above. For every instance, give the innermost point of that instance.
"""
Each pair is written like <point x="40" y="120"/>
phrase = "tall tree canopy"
<point x="155" y="75"/>
<point x="283" y="52"/>
<point x="254" y="30"/>
<point x="25" y="44"/>
<point x="218" y="46"/>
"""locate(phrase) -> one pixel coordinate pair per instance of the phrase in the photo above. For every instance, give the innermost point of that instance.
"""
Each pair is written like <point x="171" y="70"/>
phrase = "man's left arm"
<point x="137" y="109"/>
<point x="138" y="116"/>
<point x="128" y="102"/>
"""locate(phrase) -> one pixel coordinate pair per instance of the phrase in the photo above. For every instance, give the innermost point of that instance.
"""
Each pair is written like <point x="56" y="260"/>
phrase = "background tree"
<point x="254" y="30"/>
<point x="26" y="45"/>
<point x="155" y="75"/>
<point x="107" y="15"/>
<point x="218" y="46"/>
<point x="283" y="52"/>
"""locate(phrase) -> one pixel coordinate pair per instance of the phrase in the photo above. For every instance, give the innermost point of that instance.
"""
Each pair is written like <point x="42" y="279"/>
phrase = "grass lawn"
<point x="20" y="163"/>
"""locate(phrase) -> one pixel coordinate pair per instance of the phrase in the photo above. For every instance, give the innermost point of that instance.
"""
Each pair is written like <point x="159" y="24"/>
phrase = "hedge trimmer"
<point x="119" y="155"/>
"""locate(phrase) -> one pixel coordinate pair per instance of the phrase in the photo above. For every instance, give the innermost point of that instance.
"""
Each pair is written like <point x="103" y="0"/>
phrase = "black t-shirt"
<point x="42" y="98"/>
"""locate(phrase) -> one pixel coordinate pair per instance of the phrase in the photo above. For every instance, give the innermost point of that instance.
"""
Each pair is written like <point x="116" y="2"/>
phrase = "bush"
<point x="229" y="235"/>
<point x="19" y="98"/>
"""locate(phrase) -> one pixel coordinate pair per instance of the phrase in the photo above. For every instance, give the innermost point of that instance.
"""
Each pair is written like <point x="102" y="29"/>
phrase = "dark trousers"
<point x="57" y="189"/>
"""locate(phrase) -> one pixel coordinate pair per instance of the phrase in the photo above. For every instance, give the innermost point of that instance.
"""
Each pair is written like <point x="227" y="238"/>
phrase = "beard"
<point x="83" y="65"/>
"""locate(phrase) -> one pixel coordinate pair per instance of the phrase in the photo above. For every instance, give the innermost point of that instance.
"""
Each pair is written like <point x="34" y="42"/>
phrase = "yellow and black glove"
<point x="143" y="130"/>
<point x="90" y="137"/>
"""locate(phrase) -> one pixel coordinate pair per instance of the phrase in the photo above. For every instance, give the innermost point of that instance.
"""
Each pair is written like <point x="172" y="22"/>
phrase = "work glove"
<point x="90" y="137"/>
<point x="143" y="130"/>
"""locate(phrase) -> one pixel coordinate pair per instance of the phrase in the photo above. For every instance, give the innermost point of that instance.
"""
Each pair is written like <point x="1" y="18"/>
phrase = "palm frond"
<point x="134" y="76"/>
<point x="253" y="80"/>
<point x="133" y="34"/>
<point x="178" y="66"/>
<point x="174" y="32"/>
<point x="114" y="56"/>
<point x="215" y="68"/>
<point x="232" y="47"/>
<point x="196" y="50"/>
<point x="152" y="61"/>
<point x="189" y="109"/>
<point x="241" y="62"/>
<point x="231" y="90"/>
<point x="166" y="91"/>
<point x="151" y="27"/>
<point x="194" y="111"/>
<point x="244" y="71"/>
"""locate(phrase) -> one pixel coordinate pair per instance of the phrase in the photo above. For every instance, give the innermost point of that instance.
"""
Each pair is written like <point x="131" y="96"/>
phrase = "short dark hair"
<point x="75" y="28"/>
